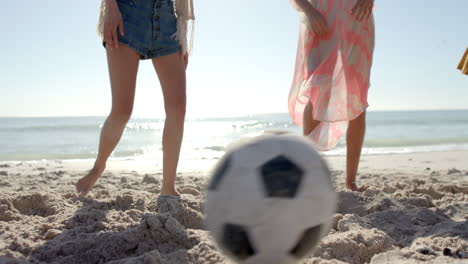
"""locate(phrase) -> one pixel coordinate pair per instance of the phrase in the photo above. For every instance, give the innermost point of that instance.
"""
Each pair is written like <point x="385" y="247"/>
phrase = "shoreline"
<point x="414" y="162"/>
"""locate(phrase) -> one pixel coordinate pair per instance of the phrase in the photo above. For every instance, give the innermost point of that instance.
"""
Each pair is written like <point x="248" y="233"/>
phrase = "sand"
<point x="416" y="205"/>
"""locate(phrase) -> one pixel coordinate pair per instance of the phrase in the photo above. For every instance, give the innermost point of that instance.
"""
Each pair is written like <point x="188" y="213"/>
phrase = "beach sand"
<point x="416" y="205"/>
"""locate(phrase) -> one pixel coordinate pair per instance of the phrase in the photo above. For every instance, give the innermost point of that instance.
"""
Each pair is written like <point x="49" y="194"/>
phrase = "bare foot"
<point x="354" y="188"/>
<point x="85" y="184"/>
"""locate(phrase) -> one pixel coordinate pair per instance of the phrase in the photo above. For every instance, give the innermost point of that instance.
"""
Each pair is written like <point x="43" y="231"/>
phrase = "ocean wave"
<point x="341" y="151"/>
<point x="215" y="148"/>
<point x="413" y="142"/>
<point x="78" y="138"/>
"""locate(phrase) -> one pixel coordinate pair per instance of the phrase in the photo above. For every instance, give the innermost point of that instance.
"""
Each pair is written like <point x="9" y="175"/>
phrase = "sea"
<point x="77" y="138"/>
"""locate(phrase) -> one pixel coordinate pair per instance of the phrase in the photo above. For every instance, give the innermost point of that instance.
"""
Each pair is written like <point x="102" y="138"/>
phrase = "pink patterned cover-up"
<point x="332" y="71"/>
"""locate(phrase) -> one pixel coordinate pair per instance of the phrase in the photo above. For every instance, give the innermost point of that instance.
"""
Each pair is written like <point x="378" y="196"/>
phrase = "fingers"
<point x="323" y="26"/>
<point x="184" y="57"/>
<point x="109" y="39"/>
<point x="315" y="29"/>
<point x="113" y="25"/>
<point x="317" y="22"/>
<point x="115" y="38"/>
<point x="121" y="27"/>
<point x="359" y="13"/>
<point x="354" y="10"/>
<point x="362" y="10"/>
<point x="367" y="13"/>
<point x="362" y="14"/>
<point x="110" y="34"/>
<point x="320" y="27"/>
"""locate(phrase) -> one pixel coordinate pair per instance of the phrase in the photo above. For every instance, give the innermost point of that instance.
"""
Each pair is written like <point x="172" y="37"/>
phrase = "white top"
<point x="185" y="22"/>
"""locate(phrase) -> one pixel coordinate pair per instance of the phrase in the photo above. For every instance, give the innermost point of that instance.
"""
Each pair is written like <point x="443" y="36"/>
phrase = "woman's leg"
<point x="309" y="124"/>
<point x="171" y="73"/>
<point x="354" y="141"/>
<point x="123" y="66"/>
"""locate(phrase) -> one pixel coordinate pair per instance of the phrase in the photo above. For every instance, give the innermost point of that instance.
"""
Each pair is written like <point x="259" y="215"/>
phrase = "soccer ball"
<point x="270" y="200"/>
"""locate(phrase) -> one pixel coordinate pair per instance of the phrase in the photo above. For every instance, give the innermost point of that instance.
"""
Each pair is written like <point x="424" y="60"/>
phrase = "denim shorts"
<point x="150" y="27"/>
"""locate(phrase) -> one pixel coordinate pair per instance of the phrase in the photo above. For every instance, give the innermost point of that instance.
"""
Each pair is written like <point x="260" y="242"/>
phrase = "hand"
<point x="317" y="22"/>
<point x="362" y="10"/>
<point x="112" y="22"/>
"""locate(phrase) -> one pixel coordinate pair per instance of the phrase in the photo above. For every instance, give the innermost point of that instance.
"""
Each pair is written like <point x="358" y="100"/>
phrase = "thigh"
<point x="358" y="121"/>
<point x="123" y="66"/>
<point x="171" y="73"/>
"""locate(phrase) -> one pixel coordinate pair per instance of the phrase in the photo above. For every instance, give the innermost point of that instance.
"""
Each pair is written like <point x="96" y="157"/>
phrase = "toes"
<point x="82" y="188"/>
<point x="363" y="188"/>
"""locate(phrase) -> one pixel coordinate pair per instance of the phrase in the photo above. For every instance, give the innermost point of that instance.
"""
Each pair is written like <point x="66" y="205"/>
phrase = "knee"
<point x="121" y="114"/>
<point x="176" y="106"/>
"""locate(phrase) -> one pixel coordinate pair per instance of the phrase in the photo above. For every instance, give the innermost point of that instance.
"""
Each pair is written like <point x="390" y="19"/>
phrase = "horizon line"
<point x="227" y="116"/>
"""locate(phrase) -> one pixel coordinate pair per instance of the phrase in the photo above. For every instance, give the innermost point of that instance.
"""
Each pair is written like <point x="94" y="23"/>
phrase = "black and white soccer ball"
<point x="270" y="200"/>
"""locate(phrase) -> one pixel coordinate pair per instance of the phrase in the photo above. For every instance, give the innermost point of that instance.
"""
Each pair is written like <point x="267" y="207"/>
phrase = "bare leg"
<point x="171" y="73"/>
<point x="309" y="124"/>
<point x="123" y="66"/>
<point x="354" y="141"/>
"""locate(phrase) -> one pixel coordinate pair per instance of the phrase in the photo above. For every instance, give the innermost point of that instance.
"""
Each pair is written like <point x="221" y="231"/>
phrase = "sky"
<point x="244" y="52"/>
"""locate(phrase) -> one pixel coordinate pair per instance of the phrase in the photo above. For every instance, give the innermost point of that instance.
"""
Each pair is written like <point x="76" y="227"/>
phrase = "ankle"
<point x="98" y="166"/>
<point x="350" y="183"/>
<point x="168" y="190"/>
